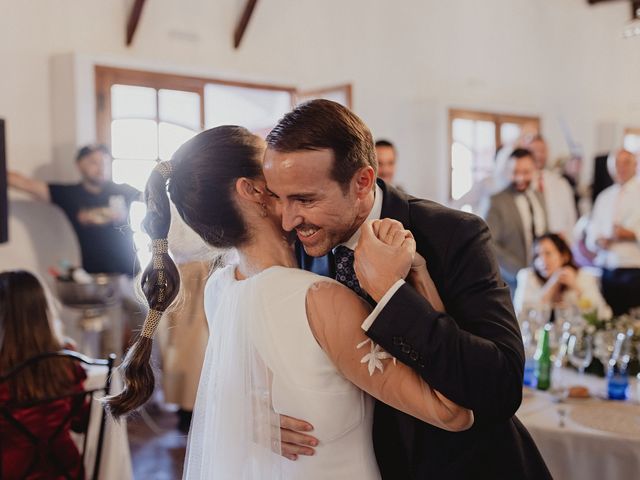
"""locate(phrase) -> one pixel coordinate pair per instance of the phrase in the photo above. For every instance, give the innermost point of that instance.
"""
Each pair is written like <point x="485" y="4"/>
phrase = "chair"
<point x="42" y="446"/>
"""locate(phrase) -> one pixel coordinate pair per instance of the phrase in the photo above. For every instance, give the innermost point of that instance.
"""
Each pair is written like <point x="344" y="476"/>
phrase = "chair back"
<point x="43" y="453"/>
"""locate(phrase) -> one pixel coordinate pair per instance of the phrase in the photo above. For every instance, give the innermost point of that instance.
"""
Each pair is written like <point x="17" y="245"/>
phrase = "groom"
<point x="320" y="163"/>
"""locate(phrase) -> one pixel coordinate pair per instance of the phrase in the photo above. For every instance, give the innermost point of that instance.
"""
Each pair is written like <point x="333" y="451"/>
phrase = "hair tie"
<point x="151" y="323"/>
<point x="165" y="169"/>
<point x="159" y="246"/>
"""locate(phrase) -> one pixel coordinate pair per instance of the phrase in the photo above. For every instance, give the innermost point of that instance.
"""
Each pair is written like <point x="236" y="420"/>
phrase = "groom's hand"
<point x="294" y="443"/>
<point x="384" y="255"/>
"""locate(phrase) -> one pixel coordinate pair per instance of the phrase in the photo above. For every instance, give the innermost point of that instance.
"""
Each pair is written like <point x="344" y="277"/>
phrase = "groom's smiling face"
<point x="322" y="212"/>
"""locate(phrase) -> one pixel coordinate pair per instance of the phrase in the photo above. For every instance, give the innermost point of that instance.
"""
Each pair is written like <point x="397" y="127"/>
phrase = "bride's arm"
<point x="335" y="314"/>
<point x="421" y="281"/>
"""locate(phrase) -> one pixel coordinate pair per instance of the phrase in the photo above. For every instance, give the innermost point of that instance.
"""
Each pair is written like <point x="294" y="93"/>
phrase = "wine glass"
<point x="559" y="345"/>
<point x="535" y="314"/>
<point x="580" y="351"/>
<point x="564" y="313"/>
<point x="604" y="342"/>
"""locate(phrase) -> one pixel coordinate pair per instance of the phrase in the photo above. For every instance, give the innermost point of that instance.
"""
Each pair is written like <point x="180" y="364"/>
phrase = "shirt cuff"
<point x="381" y="304"/>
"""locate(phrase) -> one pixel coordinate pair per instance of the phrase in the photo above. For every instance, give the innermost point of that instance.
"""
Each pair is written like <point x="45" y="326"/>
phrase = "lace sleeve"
<point x="335" y="314"/>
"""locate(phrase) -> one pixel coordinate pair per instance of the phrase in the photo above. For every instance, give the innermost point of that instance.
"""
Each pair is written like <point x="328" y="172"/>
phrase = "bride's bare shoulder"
<point x="328" y="301"/>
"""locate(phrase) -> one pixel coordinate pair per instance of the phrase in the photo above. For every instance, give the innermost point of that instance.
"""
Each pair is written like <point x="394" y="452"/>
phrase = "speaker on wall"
<point x="4" y="205"/>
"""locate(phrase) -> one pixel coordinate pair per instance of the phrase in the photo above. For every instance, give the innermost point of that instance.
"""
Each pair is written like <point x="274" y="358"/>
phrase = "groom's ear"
<point x="364" y="181"/>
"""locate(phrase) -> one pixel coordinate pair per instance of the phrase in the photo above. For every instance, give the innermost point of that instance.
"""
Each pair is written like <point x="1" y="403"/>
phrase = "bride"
<point x="282" y="339"/>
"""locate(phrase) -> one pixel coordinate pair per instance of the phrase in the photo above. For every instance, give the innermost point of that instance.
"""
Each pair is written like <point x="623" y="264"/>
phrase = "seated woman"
<point x="556" y="280"/>
<point x="25" y="325"/>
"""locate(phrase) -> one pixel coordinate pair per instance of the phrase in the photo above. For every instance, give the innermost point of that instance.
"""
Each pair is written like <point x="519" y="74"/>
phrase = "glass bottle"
<point x="542" y="357"/>
<point x="617" y="372"/>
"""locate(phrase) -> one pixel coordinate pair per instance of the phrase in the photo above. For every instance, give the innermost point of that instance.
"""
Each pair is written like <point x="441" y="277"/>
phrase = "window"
<point x="340" y="94"/>
<point x="144" y="117"/>
<point x="632" y="140"/>
<point x="475" y="138"/>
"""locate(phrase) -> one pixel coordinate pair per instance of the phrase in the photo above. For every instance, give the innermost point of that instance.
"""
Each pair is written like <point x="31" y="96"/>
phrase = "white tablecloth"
<point x="600" y="439"/>
<point x="116" y="457"/>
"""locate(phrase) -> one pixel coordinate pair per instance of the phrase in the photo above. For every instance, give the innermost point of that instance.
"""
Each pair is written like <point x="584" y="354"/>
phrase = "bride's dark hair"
<point x="201" y="179"/>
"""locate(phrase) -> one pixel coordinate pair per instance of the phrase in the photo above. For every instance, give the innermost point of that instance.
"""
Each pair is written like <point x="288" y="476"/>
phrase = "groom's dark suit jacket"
<point x="473" y="354"/>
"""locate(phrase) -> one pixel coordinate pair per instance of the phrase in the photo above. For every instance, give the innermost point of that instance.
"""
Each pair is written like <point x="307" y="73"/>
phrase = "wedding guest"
<point x="98" y="210"/>
<point x="614" y="235"/>
<point x="556" y="191"/>
<point x="26" y="328"/>
<point x="516" y="216"/>
<point x="387" y="159"/>
<point x="555" y="279"/>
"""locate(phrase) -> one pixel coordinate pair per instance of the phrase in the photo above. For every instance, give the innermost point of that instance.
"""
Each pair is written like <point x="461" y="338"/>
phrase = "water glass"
<point x="580" y="351"/>
<point x="604" y="343"/>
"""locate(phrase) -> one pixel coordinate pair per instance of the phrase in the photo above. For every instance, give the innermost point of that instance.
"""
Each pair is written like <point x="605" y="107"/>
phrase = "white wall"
<point x="408" y="62"/>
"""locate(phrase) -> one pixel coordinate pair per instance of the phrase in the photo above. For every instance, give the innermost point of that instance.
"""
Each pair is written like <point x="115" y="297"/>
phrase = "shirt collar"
<point x="374" y="214"/>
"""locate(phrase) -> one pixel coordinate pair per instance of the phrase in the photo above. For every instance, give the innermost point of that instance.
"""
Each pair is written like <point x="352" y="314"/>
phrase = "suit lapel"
<point x="515" y="213"/>
<point x="395" y="204"/>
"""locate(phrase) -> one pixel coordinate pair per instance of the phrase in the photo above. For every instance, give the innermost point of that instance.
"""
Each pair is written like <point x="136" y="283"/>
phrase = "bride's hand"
<point x="419" y="263"/>
<point x="420" y="279"/>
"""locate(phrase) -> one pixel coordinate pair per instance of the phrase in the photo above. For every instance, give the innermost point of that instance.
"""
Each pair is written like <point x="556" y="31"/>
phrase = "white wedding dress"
<point x="262" y="355"/>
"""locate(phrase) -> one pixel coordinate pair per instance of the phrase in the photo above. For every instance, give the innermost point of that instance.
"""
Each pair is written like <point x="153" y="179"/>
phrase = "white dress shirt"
<point x="560" y="204"/>
<point x="539" y="218"/>
<point x="618" y="204"/>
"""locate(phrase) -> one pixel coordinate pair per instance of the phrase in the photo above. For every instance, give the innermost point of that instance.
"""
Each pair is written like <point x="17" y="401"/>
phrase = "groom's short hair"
<point x="320" y="124"/>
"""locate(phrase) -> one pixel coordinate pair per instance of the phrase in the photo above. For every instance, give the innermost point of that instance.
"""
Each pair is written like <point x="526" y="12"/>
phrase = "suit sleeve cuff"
<point x="381" y="304"/>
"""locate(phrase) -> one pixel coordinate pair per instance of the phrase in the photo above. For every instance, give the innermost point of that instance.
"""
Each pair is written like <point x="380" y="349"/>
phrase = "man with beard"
<point x="516" y="217"/>
<point x="97" y="208"/>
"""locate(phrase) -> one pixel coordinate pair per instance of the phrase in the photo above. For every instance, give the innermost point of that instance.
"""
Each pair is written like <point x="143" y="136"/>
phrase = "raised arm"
<point x="335" y="316"/>
<point x="473" y="353"/>
<point x="36" y="188"/>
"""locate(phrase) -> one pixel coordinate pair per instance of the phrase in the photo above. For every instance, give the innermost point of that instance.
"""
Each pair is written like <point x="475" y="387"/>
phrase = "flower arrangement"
<point x="603" y="325"/>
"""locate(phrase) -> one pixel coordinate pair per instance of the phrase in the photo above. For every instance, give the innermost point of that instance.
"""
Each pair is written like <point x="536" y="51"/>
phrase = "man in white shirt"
<point x="614" y="235"/>
<point x="556" y="191"/>
<point x="516" y="216"/>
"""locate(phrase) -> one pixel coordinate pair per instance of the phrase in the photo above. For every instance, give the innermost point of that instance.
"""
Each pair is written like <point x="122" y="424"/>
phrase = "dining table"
<point x="590" y="438"/>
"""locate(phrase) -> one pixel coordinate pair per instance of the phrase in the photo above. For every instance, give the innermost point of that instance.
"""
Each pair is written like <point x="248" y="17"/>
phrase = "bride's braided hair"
<point x="201" y="180"/>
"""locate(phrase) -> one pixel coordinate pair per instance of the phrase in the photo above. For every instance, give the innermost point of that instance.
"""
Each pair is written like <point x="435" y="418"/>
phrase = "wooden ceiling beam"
<point x="241" y="27"/>
<point x="134" y="19"/>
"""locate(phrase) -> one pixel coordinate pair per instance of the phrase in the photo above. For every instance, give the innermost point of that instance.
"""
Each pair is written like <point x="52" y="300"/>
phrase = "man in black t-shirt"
<point x="98" y="210"/>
